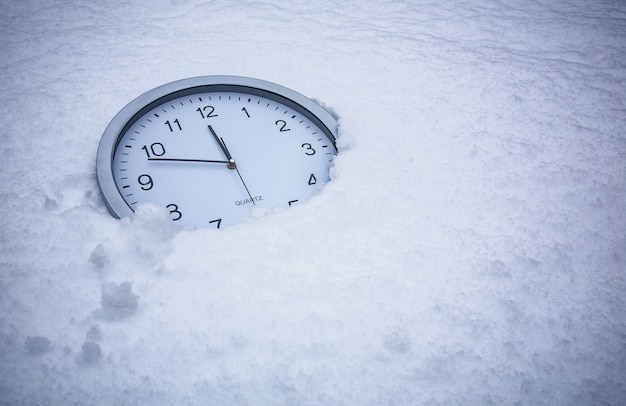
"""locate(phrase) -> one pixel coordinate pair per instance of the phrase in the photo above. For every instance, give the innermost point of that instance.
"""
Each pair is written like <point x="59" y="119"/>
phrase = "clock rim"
<point x="130" y="113"/>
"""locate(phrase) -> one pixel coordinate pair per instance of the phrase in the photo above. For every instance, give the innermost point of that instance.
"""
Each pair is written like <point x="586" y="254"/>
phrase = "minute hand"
<point x="220" y="142"/>
<point x="188" y="160"/>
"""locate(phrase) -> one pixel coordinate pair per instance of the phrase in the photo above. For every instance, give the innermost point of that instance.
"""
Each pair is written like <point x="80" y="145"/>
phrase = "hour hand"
<point x="220" y="142"/>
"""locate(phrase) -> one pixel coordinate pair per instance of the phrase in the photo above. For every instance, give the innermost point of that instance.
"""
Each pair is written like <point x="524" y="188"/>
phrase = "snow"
<point x="469" y="249"/>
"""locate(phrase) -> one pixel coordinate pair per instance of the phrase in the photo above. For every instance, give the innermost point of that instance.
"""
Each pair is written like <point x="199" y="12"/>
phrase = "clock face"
<point x="212" y="150"/>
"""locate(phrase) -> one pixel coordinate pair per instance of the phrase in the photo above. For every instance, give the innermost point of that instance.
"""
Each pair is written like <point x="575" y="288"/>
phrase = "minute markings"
<point x="149" y="134"/>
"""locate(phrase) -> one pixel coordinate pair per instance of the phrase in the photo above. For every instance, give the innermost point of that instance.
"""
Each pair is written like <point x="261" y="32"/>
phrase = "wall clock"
<point x="213" y="149"/>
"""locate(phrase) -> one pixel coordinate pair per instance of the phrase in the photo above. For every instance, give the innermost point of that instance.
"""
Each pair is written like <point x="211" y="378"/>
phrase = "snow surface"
<point x="470" y="248"/>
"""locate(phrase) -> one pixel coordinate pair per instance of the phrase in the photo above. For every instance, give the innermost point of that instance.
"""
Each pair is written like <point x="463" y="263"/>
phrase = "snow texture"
<point x="469" y="249"/>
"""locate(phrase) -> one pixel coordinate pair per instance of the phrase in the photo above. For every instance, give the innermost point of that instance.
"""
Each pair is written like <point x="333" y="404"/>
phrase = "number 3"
<point x="174" y="209"/>
<point x="309" y="149"/>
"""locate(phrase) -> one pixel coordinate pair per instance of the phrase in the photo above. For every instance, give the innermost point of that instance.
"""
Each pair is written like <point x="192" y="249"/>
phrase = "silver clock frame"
<point x="126" y="117"/>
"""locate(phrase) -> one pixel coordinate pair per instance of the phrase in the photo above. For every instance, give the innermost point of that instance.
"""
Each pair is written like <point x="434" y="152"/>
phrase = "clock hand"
<point x="231" y="161"/>
<point x="220" y="142"/>
<point x="244" y="185"/>
<point x="188" y="160"/>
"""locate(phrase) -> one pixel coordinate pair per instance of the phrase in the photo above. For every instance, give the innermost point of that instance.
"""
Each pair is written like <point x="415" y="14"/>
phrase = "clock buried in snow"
<point x="212" y="149"/>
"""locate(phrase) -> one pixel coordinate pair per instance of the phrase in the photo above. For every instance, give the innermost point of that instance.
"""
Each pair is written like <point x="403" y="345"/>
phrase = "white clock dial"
<point x="212" y="149"/>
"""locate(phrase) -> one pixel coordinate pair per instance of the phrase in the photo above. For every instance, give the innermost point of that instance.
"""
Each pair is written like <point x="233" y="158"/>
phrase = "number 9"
<point x="145" y="181"/>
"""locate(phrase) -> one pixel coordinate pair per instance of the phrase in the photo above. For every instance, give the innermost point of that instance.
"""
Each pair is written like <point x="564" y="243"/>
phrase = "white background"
<point x="470" y="248"/>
